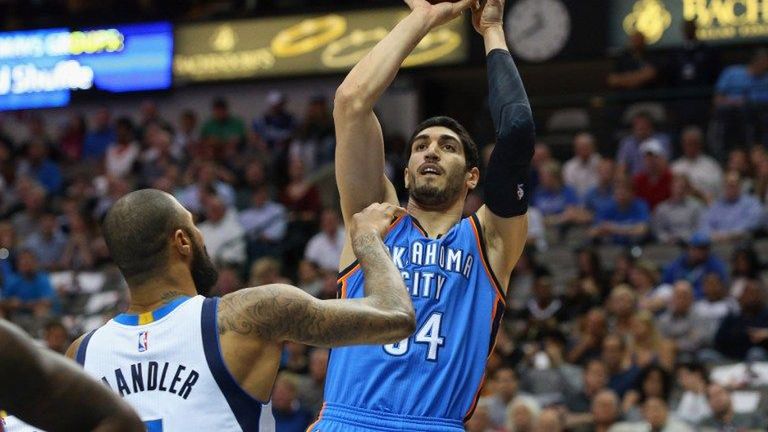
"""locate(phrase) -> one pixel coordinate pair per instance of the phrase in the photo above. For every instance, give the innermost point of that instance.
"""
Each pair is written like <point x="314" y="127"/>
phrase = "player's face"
<point x="437" y="173"/>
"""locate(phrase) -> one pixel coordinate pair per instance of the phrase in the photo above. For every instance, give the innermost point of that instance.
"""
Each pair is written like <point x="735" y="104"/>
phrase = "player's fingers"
<point x="399" y="211"/>
<point x="462" y="5"/>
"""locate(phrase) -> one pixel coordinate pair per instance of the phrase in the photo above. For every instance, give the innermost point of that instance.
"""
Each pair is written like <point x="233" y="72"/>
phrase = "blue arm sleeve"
<point x="507" y="179"/>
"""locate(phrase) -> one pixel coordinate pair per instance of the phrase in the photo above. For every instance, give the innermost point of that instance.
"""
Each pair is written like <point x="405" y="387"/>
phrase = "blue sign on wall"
<point x="40" y="68"/>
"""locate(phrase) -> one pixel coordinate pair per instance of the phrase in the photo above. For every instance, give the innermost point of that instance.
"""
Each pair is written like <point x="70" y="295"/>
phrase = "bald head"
<point x="138" y="230"/>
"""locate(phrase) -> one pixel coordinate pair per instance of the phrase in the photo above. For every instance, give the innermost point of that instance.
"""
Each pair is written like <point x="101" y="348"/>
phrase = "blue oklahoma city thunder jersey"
<point x="438" y="371"/>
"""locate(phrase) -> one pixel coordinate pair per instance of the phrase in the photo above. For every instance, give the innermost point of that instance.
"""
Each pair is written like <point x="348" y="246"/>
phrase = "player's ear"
<point x="473" y="177"/>
<point x="406" y="177"/>
<point x="182" y="243"/>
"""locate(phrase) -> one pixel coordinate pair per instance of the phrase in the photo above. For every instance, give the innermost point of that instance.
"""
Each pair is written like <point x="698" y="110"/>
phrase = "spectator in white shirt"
<point x="264" y="222"/>
<point x="324" y="248"/>
<point x="693" y="406"/>
<point x="224" y="236"/>
<point x="677" y="218"/>
<point x="124" y="152"/>
<point x="703" y="171"/>
<point x="715" y="305"/>
<point x="580" y="172"/>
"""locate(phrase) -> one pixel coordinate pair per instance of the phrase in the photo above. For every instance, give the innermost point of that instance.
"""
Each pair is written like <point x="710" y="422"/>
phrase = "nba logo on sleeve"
<point x="143" y="341"/>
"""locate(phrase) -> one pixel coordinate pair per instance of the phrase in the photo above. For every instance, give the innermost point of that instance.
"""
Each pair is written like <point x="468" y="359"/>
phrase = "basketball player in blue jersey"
<point x="456" y="270"/>
<point x="185" y="362"/>
<point x="45" y="390"/>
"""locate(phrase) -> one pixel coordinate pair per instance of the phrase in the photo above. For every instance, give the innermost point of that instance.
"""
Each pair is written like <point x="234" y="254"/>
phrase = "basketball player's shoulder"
<point x="72" y="350"/>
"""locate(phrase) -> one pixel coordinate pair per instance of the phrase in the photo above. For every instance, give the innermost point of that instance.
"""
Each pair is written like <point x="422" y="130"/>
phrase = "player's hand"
<point x="487" y="15"/>
<point x="376" y="218"/>
<point x="440" y="13"/>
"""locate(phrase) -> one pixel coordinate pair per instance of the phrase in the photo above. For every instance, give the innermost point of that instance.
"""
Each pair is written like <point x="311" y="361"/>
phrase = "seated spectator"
<point x="550" y="420"/>
<point x="681" y="324"/>
<point x="580" y="172"/>
<point x="229" y="280"/>
<point x="546" y="375"/>
<point x="537" y="232"/>
<point x="123" y="154"/>
<point x="629" y="157"/>
<point x="621" y="304"/>
<point x="56" y="337"/>
<point x="187" y="134"/>
<point x="556" y="201"/>
<point x="714" y="306"/>
<point x="266" y="271"/>
<point x="606" y="411"/>
<point x="223" y="234"/>
<point x="744" y="334"/>
<point x="526" y="270"/>
<point x="694" y="264"/>
<point x="480" y="420"/>
<point x="48" y="243"/>
<point x="310" y="387"/>
<point x="692" y="406"/>
<point x="39" y="166"/>
<point x="644" y="278"/>
<point x="522" y="414"/>
<point x="724" y="418"/>
<point x="704" y="173"/>
<point x="254" y="177"/>
<point x="222" y="128"/>
<point x="277" y="125"/>
<point x="657" y="417"/>
<point x="647" y="345"/>
<point x="633" y="70"/>
<point x="101" y="135"/>
<point x="290" y="416"/>
<point x="588" y="344"/>
<point x="26" y="221"/>
<point x="505" y="382"/>
<point x="735" y="216"/>
<point x="579" y="404"/>
<point x="544" y="312"/>
<point x="745" y="263"/>
<point x="159" y="157"/>
<point x="542" y="155"/>
<point x="677" y="218"/>
<point x="29" y="295"/>
<point x="626" y="221"/>
<point x="325" y="247"/>
<point x="78" y="253"/>
<point x="653" y="183"/>
<point x="589" y="287"/>
<point x="300" y="197"/>
<point x="309" y="278"/>
<point x="265" y="223"/>
<point x="653" y="382"/>
<point x="208" y="178"/>
<point x="622" y="373"/>
<point x="600" y="198"/>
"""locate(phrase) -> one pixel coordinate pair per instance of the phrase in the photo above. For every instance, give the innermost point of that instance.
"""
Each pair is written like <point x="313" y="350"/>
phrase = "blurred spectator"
<point x="745" y="263"/>
<point x="295" y="358"/>
<point x="56" y="336"/>
<point x="326" y="246"/>
<point x="715" y="305"/>
<point x="150" y="116"/>
<point x="315" y="140"/>
<point x="744" y="334"/>
<point x="541" y="156"/>
<point x="647" y="345"/>
<point x="626" y="221"/>
<point x="694" y="264"/>
<point x="100" y="136"/>
<point x="547" y="376"/>
<point x="630" y="157"/>
<point x="549" y="420"/>
<point x="300" y="197"/>
<point x="223" y="234"/>
<point x="187" y="135"/>
<point x="229" y="280"/>
<point x="290" y="415"/>
<point x="657" y="417"/>
<point x="681" y="324"/>
<point x="588" y="288"/>
<point x="505" y="382"/>
<point x="254" y="178"/>
<point x="703" y="172"/>
<point x="735" y="216"/>
<point x="159" y="158"/>
<point x="222" y="128"/>
<point x="72" y="137"/>
<point x="622" y="373"/>
<point x="40" y="167"/>
<point x="600" y="198"/>
<point x="644" y="278"/>
<point x="654" y="382"/>
<point x="480" y="421"/>
<point x="694" y="64"/>
<point x="526" y="270"/>
<point x="654" y="181"/>
<point x="123" y="154"/>
<point x="606" y="411"/>
<point x="537" y="231"/>
<point x="309" y="278"/>
<point x="588" y="345"/>
<point x="621" y="304"/>
<point x="277" y="125"/>
<point x="522" y="414"/>
<point x="556" y="201"/>
<point x="544" y="312"/>
<point x="724" y="418"/>
<point x="266" y="271"/>
<point x="26" y="221"/>
<point x="78" y="254"/>
<point x="677" y="218"/>
<point x="29" y="296"/>
<point x="207" y="179"/>
<point x="265" y="223"/>
<point x="580" y="172"/>
<point x="595" y="380"/>
<point x="633" y="70"/>
<point x="311" y="386"/>
<point x="48" y="242"/>
<point x="692" y="406"/>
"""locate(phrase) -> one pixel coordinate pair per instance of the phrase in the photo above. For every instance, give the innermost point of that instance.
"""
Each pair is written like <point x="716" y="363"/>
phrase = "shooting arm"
<point x="48" y="391"/>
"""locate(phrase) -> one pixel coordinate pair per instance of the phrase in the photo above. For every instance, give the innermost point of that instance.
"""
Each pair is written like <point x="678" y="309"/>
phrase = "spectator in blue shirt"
<point x="277" y="125"/>
<point x="556" y="201"/>
<point x="626" y="221"/>
<point x="47" y="242"/>
<point x="30" y="291"/>
<point x="743" y="335"/>
<point x="740" y="84"/>
<point x="600" y="198"/>
<point x="100" y="137"/>
<point x="694" y="264"/>
<point x="735" y="215"/>
<point x="290" y="416"/>
<point x="38" y="166"/>
<point x="629" y="157"/>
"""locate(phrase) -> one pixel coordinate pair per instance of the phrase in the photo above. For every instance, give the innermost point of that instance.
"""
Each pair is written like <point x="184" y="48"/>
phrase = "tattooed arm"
<point x="285" y="313"/>
<point x="48" y="391"/>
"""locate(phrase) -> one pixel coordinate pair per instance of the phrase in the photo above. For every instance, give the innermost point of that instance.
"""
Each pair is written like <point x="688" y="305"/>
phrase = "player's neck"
<point x="434" y="221"/>
<point x="153" y="293"/>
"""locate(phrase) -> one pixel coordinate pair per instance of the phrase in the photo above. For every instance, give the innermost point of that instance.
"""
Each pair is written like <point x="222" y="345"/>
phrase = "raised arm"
<point x="503" y="217"/>
<point x="50" y="392"/>
<point x="359" y="142"/>
<point x="284" y="313"/>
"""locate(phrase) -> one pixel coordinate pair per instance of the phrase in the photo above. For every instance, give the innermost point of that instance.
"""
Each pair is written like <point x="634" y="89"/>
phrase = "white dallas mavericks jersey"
<point x="167" y="365"/>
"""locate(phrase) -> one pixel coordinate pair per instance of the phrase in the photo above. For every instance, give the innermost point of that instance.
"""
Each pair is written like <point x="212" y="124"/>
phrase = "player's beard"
<point x="204" y="272"/>
<point x="433" y="196"/>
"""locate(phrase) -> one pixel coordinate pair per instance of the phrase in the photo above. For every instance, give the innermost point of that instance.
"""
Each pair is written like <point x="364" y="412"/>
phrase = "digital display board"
<point x="40" y="68"/>
<point x="302" y="45"/>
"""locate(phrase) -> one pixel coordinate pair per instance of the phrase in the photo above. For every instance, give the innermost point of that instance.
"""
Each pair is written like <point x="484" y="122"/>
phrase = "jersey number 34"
<point x="428" y="334"/>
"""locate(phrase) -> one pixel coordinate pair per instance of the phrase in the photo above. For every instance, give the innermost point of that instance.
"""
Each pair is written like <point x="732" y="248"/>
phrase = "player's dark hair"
<point x="471" y="153"/>
<point x="137" y="229"/>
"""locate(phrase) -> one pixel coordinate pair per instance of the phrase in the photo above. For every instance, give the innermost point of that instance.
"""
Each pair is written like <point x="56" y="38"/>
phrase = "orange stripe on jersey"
<point x="319" y="417"/>
<point x="481" y="247"/>
<point x="496" y="316"/>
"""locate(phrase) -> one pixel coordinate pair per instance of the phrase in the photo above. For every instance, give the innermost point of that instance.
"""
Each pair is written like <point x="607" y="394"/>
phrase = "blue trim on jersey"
<point x="149" y="317"/>
<point x="80" y="356"/>
<point x="246" y="408"/>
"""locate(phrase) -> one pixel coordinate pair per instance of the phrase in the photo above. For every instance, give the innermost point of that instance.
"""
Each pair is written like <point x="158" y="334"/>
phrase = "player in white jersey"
<point x="190" y="363"/>
<point x="46" y="390"/>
